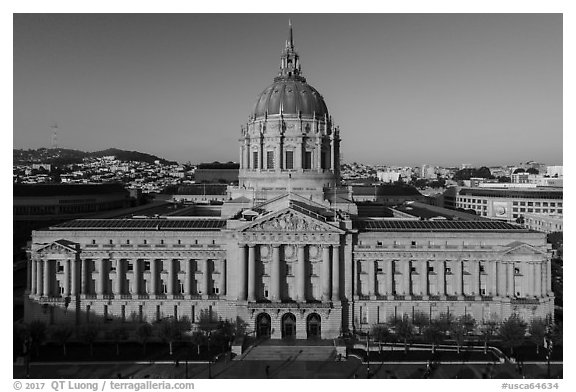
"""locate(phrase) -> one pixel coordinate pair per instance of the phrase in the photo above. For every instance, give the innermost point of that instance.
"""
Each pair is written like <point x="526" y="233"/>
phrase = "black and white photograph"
<point x="201" y="197"/>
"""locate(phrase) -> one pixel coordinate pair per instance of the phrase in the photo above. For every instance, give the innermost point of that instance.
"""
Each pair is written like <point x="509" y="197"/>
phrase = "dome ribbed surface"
<point x="292" y="97"/>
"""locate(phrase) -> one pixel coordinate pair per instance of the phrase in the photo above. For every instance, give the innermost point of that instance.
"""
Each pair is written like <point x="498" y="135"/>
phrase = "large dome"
<point x="290" y="96"/>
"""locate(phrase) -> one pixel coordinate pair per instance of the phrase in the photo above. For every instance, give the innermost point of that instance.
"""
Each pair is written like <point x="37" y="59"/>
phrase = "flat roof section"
<point x="143" y="224"/>
<point x="438" y="226"/>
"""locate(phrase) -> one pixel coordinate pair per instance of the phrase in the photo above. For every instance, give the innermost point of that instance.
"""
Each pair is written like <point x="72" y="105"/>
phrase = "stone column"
<point x="85" y="289"/>
<point x="119" y="278"/>
<point x="154" y="277"/>
<point x="136" y="277"/>
<point x="301" y="275"/>
<point x="66" y="282"/>
<point x="100" y="288"/>
<point x="223" y="266"/>
<point x="441" y="279"/>
<point x="538" y="279"/>
<point x="188" y="277"/>
<point x="424" y="279"/>
<point x="275" y="274"/>
<point x="251" y="273"/>
<point x="548" y="277"/>
<point x="47" y="275"/>
<point x="335" y="273"/>
<point x="39" y="278"/>
<point x="476" y="278"/>
<point x="459" y="278"/>
<point x="529" y="283"/>
<point x="74" y="286"/>
<point x="333" y="153"/>
<point x="390" y="279"/>
<point x="511" y="291"/>
<point x="493" y="278"/>
<point x="205" y="277"/>
<point x="407" y="273"/>
<point x="298" y="159"/>
<point x="371" y="279"/>
<point x="501" y="274"/>
<point x="242" y="283"/>
<point x="171" y="276"/>
<point x="33" y="277"/>
<point x="318" y="154"/>
<point x="326" y="273"/>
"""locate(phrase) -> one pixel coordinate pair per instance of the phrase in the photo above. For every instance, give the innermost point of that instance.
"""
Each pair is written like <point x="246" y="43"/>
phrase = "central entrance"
<point x="313" y="324"/>
<point x="263" y="325"/>
<point x="288" y="326"/>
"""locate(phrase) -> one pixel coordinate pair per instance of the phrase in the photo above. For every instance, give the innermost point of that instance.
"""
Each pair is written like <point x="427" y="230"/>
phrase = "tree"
<point x="144" y="332"/>
<point x="62" y="334"/>
<point x="207" y="321"/>
<point x="380" y="333"/>
<point x="169" y="332"/>
<point x="512" y="332"/>
<point x="420" y="320"/>
<point x="532" y="170"/>
<point x="468" y="322"/>
<point x="433" y="334"/>
<point x="403" y="329"/>
<point x="198" y="339"/>
<point x="458" y="332"/>
<point x="537" y="331"/>
<point x="444" y="322"/>
<point x="37" y="334"/>
<point x="119" y="334"/>
<point x="89" y="333"/>
<point x="487" y="330"/>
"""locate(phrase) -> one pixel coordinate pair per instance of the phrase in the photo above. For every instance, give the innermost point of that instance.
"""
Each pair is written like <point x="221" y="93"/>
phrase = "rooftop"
<point x="437" y="226"/>
<point x="157" y="224"/>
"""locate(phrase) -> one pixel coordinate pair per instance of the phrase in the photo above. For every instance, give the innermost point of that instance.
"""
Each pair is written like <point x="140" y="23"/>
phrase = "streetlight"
<point x="548" y="344"/>
<point x="368" y="354"/>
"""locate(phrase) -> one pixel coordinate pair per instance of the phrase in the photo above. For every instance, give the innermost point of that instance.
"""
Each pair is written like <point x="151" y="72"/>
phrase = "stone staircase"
<point x="270" y="352"/>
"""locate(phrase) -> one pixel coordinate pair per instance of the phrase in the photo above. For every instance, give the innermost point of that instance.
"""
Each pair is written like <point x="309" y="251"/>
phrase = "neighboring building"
<point x="555" y="171"/>
<point x="290" y="254"/>
<point x="386" y="194"/>
<point x="201" y="193"/>
<point x="509" y="204"/>
<point x="41" y="205"/>
<point x="543" y="222"/>
<point x="216" y="172"/>
<point x="387" y="176"/>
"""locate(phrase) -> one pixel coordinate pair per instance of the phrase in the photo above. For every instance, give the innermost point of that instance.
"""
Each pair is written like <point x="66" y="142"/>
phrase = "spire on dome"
<point x="290" y="61"/>
<point x="290" y="38"/>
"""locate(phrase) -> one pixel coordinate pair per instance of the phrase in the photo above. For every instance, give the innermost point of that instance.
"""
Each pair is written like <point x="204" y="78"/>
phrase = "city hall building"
<point x="289" y="254"/>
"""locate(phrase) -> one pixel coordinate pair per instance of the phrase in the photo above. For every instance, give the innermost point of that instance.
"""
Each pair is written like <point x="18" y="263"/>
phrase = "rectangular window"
<point x="545" y="204"/>
<point x="181" y="288"/>
<point x="308" y="160"/>
<point x="130" y="267"/>
<point x="530" y="204"/>
<point x="289" y="160"/>
<point x="269" y="160"/>
<point x="147" y="265"/>
<point x="323" y="160"/>
<point x="255" y="159"/>
<point x="430" y="269"/>
<point x="522" y="203"/>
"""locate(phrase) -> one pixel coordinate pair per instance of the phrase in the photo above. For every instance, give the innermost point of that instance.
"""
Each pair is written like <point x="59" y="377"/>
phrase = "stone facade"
<point x="294" y="262"/>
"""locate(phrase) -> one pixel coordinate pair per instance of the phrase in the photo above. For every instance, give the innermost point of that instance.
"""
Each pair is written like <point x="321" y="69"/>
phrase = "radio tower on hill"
<point x="54" y="136"/>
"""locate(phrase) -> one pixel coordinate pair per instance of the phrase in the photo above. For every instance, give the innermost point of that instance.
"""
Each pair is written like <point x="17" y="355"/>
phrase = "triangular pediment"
<point x="59" y="246"/>
<point x="290" y="220"/>
<point x="521" y="248"/>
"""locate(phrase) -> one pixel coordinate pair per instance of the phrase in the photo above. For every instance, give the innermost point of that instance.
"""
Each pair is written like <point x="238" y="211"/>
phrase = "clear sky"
<point x="405" y="89"/>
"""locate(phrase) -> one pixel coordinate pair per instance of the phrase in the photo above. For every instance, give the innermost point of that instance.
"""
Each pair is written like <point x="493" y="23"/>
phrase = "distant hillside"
<point x="63" y="156"/>
<point x="124" y="155"/>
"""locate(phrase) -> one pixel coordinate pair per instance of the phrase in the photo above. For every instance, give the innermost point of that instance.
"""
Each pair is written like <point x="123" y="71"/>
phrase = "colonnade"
<point x="97" y="277"/>
<point x="448" y="278"/>
<point x="249" y="281"/>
